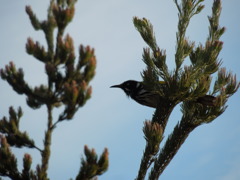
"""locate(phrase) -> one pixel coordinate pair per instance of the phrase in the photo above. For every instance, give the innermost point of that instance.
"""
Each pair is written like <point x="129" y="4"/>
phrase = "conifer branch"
<point x="157" y="57"/>
<point x="153" y="135"/>
<point x="8" y="163"/>
<point x="160" y="119"/>
<point x="10" y="128"/>
<point x="47" y="144"/>
<point x="172" y="145"/>
<point x="186" y="10"/>
<point x="92" y="166"/>
<point x="188" y="85"/>
<point x="70" y="89"/>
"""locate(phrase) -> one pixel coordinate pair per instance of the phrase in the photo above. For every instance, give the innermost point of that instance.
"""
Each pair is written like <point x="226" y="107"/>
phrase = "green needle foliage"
<point x="92" y="166"/>
<point x="183" y="85"/>
<point x="68" y="86"/>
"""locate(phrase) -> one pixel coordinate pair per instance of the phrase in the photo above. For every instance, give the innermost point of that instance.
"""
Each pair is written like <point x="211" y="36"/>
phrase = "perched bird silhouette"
<point x="138" y="92"/>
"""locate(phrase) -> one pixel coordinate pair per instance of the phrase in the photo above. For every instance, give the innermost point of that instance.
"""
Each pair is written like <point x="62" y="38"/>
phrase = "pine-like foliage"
<point x="68" y="86"/>
<point x="184" y="85"/>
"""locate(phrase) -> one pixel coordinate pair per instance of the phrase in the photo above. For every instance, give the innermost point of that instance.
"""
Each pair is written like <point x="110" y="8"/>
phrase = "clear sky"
<point x="109" y="119"/>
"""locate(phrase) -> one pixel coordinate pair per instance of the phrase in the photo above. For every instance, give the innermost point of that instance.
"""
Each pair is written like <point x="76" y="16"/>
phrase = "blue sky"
<point x="109" y="119"/>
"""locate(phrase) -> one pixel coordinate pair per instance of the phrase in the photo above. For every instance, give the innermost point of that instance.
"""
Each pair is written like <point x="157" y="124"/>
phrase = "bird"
<point x="137" y="91"/>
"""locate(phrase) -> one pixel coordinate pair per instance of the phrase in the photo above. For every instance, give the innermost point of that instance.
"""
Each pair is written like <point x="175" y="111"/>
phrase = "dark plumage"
<point x="137" y="92"/>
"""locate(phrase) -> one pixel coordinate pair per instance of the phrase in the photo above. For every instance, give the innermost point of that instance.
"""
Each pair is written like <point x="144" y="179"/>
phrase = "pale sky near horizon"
<point x="109" y="119"/>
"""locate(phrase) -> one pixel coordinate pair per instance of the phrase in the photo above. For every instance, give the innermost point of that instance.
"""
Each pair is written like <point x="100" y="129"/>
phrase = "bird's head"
<point x="129" y="87"/>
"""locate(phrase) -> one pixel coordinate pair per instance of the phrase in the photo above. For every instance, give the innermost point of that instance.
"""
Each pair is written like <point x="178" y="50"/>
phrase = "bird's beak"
<point x="116" y="86"/>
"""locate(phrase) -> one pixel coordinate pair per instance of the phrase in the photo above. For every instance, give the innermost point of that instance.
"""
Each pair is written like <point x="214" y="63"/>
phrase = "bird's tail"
<point x="207" y="100"/>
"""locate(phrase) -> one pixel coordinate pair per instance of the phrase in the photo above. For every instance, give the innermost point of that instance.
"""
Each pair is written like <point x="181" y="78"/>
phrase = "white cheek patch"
<point x="138" y="84"/>
<point x="142" y="91"/>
